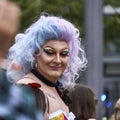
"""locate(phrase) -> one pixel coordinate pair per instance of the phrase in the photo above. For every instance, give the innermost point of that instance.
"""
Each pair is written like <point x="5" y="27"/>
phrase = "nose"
<point x="57" y="59"/>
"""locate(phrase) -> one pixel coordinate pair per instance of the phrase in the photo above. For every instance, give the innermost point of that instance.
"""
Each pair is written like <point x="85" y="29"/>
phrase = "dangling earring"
<point x="34" y="64"/>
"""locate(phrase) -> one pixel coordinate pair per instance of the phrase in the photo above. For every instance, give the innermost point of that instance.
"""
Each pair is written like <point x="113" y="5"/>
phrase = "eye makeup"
<point x="64" y="53"/>
<point x="49" y="51"/>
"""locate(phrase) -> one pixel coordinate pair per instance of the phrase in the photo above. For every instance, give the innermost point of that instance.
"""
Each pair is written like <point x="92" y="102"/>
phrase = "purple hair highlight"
<point x="46" y="28"/>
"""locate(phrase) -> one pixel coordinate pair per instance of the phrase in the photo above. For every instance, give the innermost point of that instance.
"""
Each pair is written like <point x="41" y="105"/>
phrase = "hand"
<point x="9" y="24"/>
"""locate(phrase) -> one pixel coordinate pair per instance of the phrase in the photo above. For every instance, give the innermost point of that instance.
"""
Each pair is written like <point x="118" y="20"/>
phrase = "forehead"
<point x="56" y="44"/>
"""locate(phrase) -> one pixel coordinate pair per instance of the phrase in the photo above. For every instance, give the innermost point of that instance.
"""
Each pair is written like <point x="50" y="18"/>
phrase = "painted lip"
<point x="55" y="67"/>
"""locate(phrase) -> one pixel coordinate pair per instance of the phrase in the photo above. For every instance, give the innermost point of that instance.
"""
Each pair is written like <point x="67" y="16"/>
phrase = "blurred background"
<point x="99" y="25"/>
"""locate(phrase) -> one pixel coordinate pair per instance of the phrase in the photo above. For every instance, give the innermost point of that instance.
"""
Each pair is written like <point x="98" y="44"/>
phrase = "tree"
<point x="71" y="10"/>
<point x="112" y="29"/>
<point x="29" y="10"/>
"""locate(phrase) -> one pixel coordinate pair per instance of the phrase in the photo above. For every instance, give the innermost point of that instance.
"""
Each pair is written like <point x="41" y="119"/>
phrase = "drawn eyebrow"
<point x="54" y="48"/>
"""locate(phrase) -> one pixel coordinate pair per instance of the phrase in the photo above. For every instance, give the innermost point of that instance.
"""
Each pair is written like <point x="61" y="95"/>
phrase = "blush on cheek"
<point x="45" y="58"/>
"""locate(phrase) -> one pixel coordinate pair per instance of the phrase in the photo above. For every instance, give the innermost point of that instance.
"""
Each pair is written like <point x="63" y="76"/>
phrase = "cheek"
<point x="43" y="59"/>
<point x="66" y="61"/>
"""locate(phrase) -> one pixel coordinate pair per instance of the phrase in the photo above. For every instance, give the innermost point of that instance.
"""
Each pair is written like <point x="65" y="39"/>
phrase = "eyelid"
<point x="51" y="51"/>
<point x="64" y="54"/>
<point x="66" y="50"/>
<point x="48" y="51"/>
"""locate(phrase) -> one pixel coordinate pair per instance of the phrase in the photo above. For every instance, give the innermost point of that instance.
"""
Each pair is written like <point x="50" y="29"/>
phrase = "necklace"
<point x="42" y="78"/>
<point x="62" y="93"/>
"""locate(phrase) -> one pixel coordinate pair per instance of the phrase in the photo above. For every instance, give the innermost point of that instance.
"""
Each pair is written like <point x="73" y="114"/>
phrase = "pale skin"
<point x="9" y="24"/>
<point x="52" y="60"/>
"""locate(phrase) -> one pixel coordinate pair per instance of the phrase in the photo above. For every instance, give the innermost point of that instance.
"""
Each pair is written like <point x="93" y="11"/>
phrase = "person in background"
<point x="16" y="103"/>
<point x="117" y="110"/>
<point x="41" y="100"/>
<point x="9" y="24"/>
<point x="83" y="103"/>
<point x="48" y="53"/>
<point x="116" y="114"/>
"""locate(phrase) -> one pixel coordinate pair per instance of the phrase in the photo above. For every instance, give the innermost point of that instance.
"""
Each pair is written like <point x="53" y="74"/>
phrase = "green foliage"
<point x="112" y="29"/>
<point x="71" y="10"/>
<point x="29" y="10"/>
<point x="114" y="3"/>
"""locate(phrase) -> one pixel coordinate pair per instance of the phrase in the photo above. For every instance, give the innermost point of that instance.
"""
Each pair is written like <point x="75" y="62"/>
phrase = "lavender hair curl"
<point x="36" y="35"/>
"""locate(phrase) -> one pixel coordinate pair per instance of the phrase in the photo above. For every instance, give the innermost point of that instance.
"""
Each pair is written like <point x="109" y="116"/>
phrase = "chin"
<point x="55" y="75"/>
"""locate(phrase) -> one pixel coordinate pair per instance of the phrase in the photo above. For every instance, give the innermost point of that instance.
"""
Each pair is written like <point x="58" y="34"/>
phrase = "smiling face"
<point x="53" y="59"/>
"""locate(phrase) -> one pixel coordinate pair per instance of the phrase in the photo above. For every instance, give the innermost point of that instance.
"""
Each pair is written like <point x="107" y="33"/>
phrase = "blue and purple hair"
<point x="46" y="28"/>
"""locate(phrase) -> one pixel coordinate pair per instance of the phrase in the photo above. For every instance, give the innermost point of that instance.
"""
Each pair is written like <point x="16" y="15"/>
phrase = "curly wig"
<point x="46" y="28"/>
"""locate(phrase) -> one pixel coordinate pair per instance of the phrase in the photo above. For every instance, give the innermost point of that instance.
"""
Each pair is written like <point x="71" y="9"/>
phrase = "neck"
<point x="50" y="78"/>
<point x="57" y="85"/>
<point x="43" y="79"/>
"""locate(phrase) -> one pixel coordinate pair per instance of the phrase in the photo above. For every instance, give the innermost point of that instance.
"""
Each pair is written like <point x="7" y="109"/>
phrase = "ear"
<point x="37" y="54"/>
